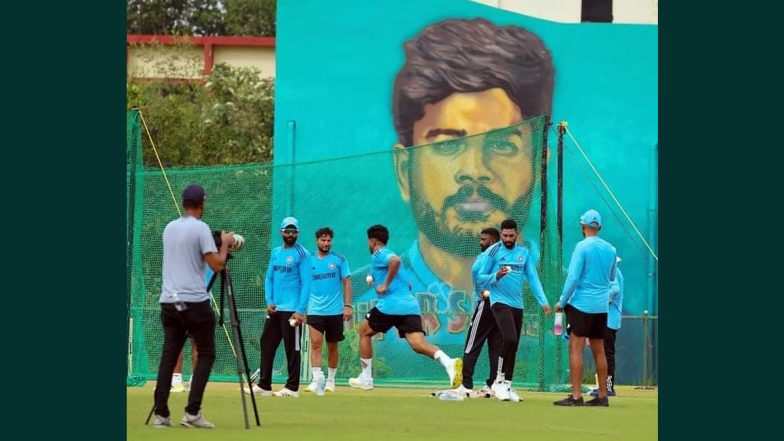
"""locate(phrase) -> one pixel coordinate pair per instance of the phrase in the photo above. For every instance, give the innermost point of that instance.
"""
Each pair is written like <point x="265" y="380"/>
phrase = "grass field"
<point x="401" y="414"/>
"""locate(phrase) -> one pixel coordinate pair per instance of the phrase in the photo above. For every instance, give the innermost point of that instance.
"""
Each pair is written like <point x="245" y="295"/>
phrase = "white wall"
<point x="569" y="11"/>
<point x="635" y="11"/>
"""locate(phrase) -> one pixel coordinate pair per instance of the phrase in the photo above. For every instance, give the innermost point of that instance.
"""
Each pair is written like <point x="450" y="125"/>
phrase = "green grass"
<point x="401" y="414"/>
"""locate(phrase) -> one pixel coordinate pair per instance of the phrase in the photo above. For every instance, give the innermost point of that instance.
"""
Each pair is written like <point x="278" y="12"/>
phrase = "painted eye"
<point x="448" y="147"/>
<point x="501" y="147"/>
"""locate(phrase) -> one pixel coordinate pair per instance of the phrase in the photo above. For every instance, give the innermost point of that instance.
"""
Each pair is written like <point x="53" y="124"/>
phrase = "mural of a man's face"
<point x="458" y="188"/>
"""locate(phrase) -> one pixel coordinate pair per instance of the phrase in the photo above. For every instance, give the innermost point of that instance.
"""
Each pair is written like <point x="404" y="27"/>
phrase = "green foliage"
<point x="226" y="120"/>
<point x="250" y="17"/>
<point x="202" y="17"/>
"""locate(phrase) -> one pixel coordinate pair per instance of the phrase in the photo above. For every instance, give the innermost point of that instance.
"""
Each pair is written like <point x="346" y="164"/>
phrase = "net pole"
<point x="543" y="244"/>
<point x="559" y="241"/>
<point x="644" y="349"/>
<point x="131" y="149"/>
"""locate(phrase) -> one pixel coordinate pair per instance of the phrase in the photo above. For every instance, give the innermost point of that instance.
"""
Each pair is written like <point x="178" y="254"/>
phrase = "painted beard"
<point x="458" y="241"/>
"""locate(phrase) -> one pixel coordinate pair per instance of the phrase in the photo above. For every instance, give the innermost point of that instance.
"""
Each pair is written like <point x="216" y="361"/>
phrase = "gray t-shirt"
<point x="185" y="241"/>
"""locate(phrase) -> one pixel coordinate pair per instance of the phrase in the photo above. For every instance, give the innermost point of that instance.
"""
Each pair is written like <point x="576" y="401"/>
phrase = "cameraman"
<point x="185" y="304"/>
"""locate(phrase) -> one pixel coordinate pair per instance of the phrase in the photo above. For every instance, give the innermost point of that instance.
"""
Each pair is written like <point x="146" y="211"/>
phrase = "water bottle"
<point x="348" y="325"/>
<point x="320" y="384"/>
<point x="558" y="327"/>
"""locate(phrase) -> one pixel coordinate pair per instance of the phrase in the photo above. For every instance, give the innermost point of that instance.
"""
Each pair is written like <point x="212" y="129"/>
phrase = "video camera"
<point x="239" y="241"/>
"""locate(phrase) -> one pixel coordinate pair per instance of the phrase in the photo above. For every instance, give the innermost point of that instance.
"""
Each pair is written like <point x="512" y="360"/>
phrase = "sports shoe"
<point x="161" y="422"/>
<point x="603" y="402"/>
<point x="286" y="393"/>
<point x="484" y="392"/>
<point x="312" y="387"/>
<point x="501" y="390"/>
<point x="361" y="383"/>
<point x="455" y="372"/>
<point x="259" y="392"/>
<point x="513" y="397"/>
<point x="178" y="388"/>
<point x="570" y="401"/>
<point x="196" y="421"/>
<point x="329" y="386"/>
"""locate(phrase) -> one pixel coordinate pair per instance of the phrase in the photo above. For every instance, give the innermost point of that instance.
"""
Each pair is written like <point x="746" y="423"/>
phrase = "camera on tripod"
<point x="239" y="241"/>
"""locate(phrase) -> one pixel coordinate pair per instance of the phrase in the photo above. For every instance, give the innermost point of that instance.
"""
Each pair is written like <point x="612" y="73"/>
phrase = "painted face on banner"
<point x="461" y="184"/>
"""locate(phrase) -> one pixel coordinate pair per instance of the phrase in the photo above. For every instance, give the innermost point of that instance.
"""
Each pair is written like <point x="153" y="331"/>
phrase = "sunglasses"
<point x="290" y="231"/>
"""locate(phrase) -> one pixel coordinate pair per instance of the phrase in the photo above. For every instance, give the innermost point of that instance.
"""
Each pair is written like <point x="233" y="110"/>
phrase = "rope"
<point x="612" y="195"/>
<point x="174" y="200"/>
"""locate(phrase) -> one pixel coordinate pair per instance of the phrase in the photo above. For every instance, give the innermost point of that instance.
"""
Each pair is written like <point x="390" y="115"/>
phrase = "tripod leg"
<point x="242" y="365"/>
<point x="241" y="375"/>
<point x="147" y="421"/>
<point x="245" y="362"/>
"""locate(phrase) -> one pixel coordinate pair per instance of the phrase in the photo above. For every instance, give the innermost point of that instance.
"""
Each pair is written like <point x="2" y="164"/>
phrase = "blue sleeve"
<point x="486" y="277"/>
<point x="345" y="271"/>
<point x="614" y="269"/>
<point x="575" y="270"/>
<point x="533" y="280"/>
<point x="306" y="279"/>
<point x="384" y="256"/>
<point x="268" y="282"/>
<point x="475" y="268"/>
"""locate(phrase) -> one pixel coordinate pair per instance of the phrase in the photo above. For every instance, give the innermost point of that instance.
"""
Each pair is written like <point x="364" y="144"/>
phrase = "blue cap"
<point x="289" y="222"/>
<point x="591" y="218"/>
<point x="194" y="193"/>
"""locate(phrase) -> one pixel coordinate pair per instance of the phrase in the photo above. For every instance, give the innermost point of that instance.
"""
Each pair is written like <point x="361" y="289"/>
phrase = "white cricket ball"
<point x="485" y="293"/>
<point x="293" y="322"/>
<point x="369" y="279"/>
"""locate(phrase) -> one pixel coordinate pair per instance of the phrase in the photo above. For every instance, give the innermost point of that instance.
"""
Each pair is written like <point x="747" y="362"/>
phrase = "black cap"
<point x="194" y="193"/>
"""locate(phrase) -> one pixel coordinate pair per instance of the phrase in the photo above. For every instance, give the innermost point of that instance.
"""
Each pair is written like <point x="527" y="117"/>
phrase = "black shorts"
<point x="332" y="325"/>
<point x="405" y="324"/>
<point x="584" y="324"/>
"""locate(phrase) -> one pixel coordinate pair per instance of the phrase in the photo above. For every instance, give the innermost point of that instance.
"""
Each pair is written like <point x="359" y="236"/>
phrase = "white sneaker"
<point x="259" y="392"/>
<point x="361" y="383"/>
<point x="161" y="422"/>
<point x="312" y="387"/>
<point x="178" y="388"/>
<point x="501" y="389"/>
<point x="462" y="391"/>
<point x="330" y="386"/>
<point x="513" y="397"/>
<point x="196" y="421"/>
<point x="286" y="393"/>
<point x="455" y="372"/>
<point x="484" y="392"/>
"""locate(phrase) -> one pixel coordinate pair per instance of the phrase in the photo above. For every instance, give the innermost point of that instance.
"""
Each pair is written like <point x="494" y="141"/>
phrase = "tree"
<point x="202" y="17"/>
<point x="226" y="120"/>
<point x="250" y="17"/>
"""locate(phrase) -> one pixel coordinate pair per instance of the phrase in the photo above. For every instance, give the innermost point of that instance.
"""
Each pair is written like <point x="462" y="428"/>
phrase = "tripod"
<point x="227" y="291"/>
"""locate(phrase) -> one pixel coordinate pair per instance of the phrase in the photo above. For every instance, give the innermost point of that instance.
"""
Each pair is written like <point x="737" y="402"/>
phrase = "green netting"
<point x="415" y="192"/>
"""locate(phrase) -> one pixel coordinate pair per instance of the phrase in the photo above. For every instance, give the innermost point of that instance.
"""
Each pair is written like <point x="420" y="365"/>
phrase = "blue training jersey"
<point x="475" y="276"/>
<point x="288" y="279"/>
<point x="398" y="300"/>
<point x="616" y="301"/>
<point x="509" y="288"/>
<point x="326" y="291"/>
<point x="591" y="269"/>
